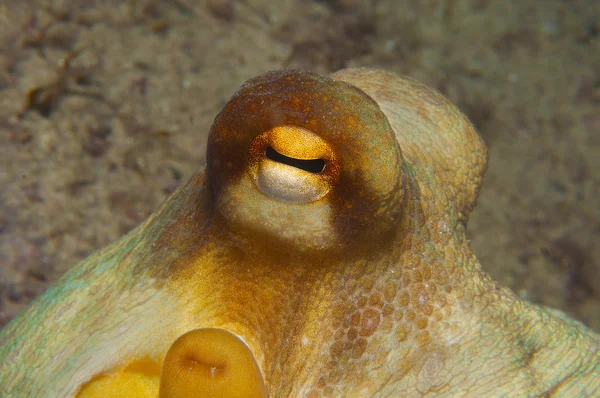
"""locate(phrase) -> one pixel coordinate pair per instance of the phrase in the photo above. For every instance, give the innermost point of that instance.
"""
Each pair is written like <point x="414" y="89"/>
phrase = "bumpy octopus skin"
<point x="320" y="253"/>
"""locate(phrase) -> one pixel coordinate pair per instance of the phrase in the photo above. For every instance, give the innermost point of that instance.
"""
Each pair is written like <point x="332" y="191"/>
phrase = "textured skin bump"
<point x="368" y="290"/>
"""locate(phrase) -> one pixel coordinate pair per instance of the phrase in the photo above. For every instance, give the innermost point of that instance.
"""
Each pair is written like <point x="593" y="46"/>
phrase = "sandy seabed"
<point x="105" y="108"/>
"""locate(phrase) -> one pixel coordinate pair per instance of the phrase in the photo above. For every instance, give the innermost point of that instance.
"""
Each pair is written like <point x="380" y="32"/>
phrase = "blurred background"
<point x="105" y="109"/>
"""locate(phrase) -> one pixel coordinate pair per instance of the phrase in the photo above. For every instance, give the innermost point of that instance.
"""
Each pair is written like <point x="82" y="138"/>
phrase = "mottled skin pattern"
<point x="371" y="290"/>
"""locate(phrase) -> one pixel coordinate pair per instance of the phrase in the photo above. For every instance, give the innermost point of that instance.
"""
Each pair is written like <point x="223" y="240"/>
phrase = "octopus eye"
<point x="311" y="165"/>
<point x="292" y="164"/>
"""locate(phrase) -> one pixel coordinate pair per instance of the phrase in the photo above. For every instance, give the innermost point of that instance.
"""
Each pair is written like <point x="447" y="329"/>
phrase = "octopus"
<point x="321" y="252"/>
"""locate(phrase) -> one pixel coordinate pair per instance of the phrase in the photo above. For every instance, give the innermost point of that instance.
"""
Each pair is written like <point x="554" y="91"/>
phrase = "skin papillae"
<point x="321" y="252"/>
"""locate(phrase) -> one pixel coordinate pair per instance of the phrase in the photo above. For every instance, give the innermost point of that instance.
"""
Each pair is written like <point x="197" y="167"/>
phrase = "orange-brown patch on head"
<point x="402" y="332"/>
<point x="359" y="348"/>
<point x="389" y="291"/>
<point x="370" y="322"/>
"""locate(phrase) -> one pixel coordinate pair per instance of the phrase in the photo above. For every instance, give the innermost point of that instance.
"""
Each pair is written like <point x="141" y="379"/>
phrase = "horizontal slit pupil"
<point x="311" y="165"/>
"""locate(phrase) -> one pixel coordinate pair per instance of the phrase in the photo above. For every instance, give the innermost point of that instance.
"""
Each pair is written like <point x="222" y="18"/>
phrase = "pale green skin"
<point x="117" y="304"/>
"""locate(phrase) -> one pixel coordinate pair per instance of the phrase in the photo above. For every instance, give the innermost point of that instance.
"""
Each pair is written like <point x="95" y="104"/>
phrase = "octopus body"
<point x="321" y="252"/>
